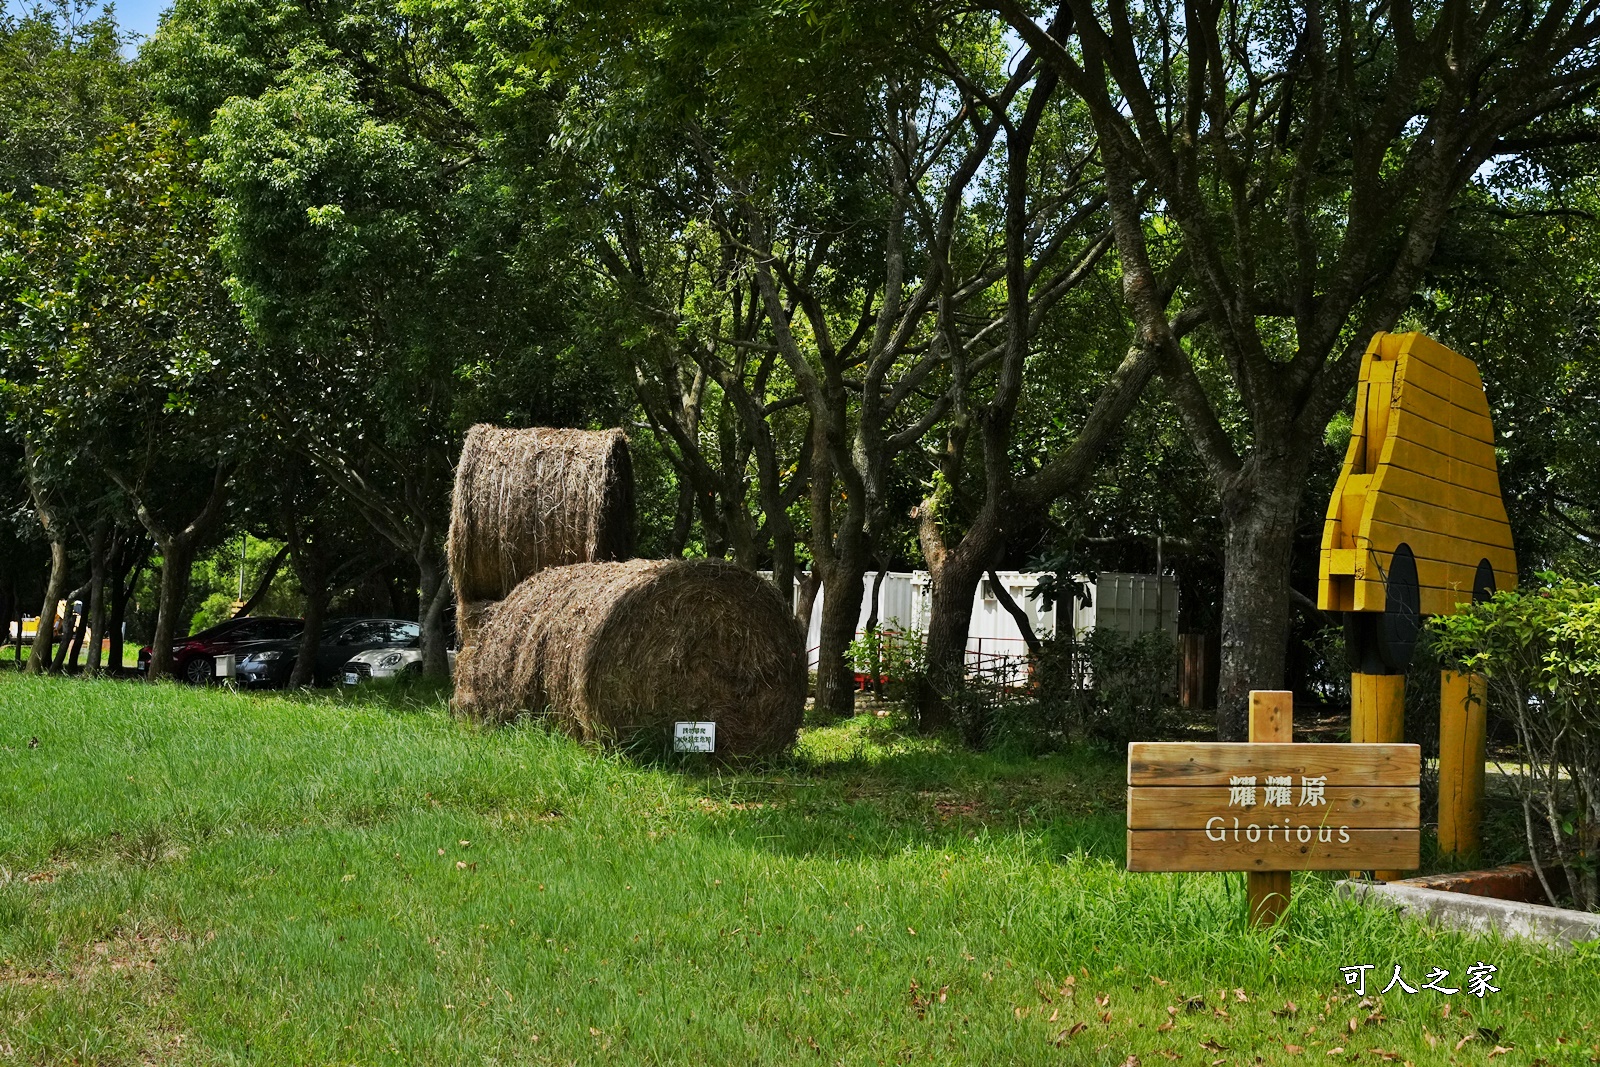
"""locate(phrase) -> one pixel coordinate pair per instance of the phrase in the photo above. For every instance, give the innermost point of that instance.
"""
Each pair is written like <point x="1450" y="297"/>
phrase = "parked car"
<point x="194" y="657"/>
<point x="268" y="664"/>
<point x="387" y="663"/>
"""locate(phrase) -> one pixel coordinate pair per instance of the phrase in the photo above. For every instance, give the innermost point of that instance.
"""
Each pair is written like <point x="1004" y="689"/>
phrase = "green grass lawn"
<point x="199" y="876"/>
<point x="8" y="653"/>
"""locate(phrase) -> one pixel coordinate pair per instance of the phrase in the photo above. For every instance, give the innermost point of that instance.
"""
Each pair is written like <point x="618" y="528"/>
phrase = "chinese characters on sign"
<point x="1242" y="790"/>
<point x="1479" y="980"/>
<point x="1276" y="792"/>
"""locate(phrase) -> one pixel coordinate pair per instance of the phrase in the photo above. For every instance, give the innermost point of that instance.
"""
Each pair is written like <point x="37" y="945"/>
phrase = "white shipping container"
<point x="1127" y="603"/>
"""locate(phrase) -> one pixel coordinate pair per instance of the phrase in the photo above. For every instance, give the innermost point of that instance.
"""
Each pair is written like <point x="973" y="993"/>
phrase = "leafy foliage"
<point x="1539" y="648"/>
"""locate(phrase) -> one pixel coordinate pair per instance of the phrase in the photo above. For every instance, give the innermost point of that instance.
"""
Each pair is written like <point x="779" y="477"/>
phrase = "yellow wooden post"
<point x="1461" y="757"/>
<point x="1378" y="716"/>
<point x="1271" y="720"/>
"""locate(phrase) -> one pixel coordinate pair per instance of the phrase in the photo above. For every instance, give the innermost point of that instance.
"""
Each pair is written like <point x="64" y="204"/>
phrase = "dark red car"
<point x="194" y="657"/>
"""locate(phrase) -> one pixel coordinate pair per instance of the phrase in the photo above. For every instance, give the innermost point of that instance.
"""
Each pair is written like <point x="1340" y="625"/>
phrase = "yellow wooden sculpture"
<point x="1420" y="471"/>
<point x="1417" y="526"/>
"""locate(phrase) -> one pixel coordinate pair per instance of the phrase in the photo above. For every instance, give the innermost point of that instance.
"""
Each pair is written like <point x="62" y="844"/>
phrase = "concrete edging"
<point x="1560" y="927"/>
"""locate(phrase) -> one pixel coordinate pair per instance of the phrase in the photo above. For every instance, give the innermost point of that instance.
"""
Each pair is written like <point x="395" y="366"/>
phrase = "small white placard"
<point x="694" y="737"/>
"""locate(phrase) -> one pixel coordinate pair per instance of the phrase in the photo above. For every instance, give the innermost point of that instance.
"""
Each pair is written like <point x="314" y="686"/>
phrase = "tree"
<point x="124" y="350"/>
<point x="1303" y="160"/>
<point x="63" y="86"/>
<point x="379" y="255"/>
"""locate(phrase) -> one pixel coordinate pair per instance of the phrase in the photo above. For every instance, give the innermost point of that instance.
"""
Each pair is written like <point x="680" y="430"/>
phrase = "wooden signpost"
<point x="1269" y="806"/>
<point x="1416" y="527"/>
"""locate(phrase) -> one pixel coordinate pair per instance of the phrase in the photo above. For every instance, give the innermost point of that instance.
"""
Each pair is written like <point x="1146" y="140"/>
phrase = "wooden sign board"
<point x="1272" y="807"/>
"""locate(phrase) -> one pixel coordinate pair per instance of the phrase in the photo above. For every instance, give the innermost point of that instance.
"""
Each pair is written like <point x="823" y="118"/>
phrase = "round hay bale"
<point x="525" y="500"/>
<point x="618" y="652"/>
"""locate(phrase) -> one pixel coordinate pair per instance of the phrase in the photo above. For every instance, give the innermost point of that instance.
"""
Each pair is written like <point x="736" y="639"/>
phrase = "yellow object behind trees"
<point x="1417" y="526"/>
<point x="1420" y="471"/>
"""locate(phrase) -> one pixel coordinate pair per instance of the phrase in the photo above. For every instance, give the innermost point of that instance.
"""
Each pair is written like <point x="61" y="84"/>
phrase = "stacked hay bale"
<point x="525" y="500"/>
<point x="618" y="652"/>
<point x="614" y="651"/>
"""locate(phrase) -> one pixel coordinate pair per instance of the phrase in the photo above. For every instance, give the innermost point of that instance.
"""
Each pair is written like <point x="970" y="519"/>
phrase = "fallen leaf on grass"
<point x="1498" y="1050"/>
<point x="1102" y="999"/>
<point x="1462" y="1043"/>
<point x="1289" y="1008"/>
<point x="1384" y="1054"/>
<point x="1169" y="1054"/>
<point x="1054" y="1015"/>
<point x="1353" y="1024"/>
<point x="1221" y="1013"/>
<point x="1238" y="994"/>
<point x="1166" y="1027"/>
<point x="1158" y="981"/>
<point x="1433" y="1042"/>
<point x="1335" y="1050"/>
<point x="1131" y="1061"/>
<point x="1210" y="1045"/>
<point x="1105" y="1017"/>
<point x="1077" y="1028"/>
<point x="1293" y="1050"/>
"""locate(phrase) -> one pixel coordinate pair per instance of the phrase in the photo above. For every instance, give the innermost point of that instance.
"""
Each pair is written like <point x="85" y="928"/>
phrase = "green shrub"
<point x="898" y="656"/>
<point x="1100" y="686"/>
<point x="1539" y="648"/>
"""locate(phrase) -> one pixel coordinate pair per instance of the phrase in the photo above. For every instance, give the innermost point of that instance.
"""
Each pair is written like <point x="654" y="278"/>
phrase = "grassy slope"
<point x="205" y="877"/>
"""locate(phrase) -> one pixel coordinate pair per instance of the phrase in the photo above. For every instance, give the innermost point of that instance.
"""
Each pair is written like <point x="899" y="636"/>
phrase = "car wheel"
<point x="200" y="670"/>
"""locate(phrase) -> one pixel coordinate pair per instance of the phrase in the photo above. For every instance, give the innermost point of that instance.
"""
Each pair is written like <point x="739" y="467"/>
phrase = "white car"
<point x="384" y="663"/>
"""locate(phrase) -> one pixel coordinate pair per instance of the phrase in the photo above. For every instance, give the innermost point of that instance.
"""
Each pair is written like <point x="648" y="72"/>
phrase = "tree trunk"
<point x="1258" y="549"/>
<point x="121" y="590"/>
<point x="177" y="558"/>
<point x="949" y="622"/>
<point x="805" y="598"/>
<point x="55" y="587"/>
<point x="874" y="624"/>
<point x="101" y="546"/>
<point x="8" y="607"/>
<point x="682" y="519"/>
<point x="79" y="631"/>
<point x="15" y="613"/>
<point x="955" y="571"/>
<point x="435" y="587"/>
<point x="305" y="661"/>
<point x="842" y="588"/>
<point x="267" y="578"/>
<point x="1018" y="613"/>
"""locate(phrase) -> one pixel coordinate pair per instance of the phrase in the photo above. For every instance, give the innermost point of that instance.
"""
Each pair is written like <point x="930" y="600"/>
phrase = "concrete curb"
<point x="1559" y="927"/>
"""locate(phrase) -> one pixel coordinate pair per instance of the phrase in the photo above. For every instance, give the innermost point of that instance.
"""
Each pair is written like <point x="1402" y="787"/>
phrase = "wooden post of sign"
<point x="1271" y="721"/>
<point x="1462" y="746"/>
